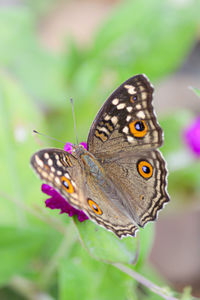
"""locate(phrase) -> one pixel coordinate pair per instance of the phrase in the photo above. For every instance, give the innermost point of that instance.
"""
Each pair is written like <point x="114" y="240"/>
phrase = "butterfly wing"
<point x="104" y="206"/>
<point x="62" y="171"/>
<point x="143" y="178"/>
<point x="126" y="121"/>
<point x="58" y="168"/>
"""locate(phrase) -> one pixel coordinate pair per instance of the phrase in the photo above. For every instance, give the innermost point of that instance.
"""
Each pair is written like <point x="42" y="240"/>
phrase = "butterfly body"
<point x="120" y="180"/>
<point x="92" y="166"/>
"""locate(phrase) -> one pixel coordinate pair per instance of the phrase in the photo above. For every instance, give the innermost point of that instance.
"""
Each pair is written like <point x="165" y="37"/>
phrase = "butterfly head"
<point x="78" y="150"/>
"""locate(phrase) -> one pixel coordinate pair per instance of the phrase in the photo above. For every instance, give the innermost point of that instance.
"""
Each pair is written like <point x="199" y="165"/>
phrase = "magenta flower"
<point x="192" y="136"/>
<point x="56" y="201"/>
<point x="68" y="146"/>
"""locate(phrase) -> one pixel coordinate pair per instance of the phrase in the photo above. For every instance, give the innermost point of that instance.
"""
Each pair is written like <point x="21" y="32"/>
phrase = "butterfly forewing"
<point x="126" y="121"/>
<point x="58" y="168"/>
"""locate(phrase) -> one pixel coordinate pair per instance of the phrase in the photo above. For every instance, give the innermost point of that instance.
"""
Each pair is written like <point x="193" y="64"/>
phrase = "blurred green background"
<point x="53" y="50"/>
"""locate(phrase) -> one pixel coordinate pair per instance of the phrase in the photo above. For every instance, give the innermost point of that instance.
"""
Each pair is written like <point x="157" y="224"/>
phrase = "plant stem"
<point x="150" y="285"/>
<point x="28" y="289"/>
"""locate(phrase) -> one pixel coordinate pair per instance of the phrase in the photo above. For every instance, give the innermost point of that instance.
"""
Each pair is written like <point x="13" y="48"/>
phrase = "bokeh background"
<point x="51" y="50"/>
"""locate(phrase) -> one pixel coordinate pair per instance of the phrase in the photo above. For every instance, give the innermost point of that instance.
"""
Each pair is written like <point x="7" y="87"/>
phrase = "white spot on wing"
<point x="50" y="162"/>
<point x="57" y="180"/>
<point x="129" y="108"/>
<point x="73" y="183"/>
<point x="125" y="129"/>
<point x="130" y="139"/>
<point x="115" y="101"/>
<point x="144" y="104"/>
<point x="141" y="88"/>
<point x="39" y="161"/>
<point x="58" y="163"/>
<point x="141" y="115"/>
<point x="144" y="96"/>
<point x="44" y="174"/>
<point x="121" y="106"/>
<point x="46" y="155"/>
<point x="114" y="120"/>
<point x="107" y="118"/>
<point x="131" y="89"/>
<point x="138" y="106"/>
<point x="103" y="129"/>
<point x="53" y="169"/>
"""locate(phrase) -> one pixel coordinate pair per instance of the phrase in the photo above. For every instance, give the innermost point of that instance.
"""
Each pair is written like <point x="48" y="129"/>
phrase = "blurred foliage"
<point x="151" y="37"/>
<point x="197" y="91"/>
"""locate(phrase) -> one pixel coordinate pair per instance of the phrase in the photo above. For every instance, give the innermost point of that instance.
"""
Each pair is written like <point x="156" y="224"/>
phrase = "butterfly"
<point x="120" y="181"/>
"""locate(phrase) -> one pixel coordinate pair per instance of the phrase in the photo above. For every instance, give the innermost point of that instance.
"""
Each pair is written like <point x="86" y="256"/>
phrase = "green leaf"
<point x="81" y="277"/>
<point x="18" y="246"/>
<point x="185" y="179"/>
<point x="149" y="37"/>
<point x="17" y="119"/>
<point x="39" y="70"/>
<point x="104" y="245"/>
<point x="146" y="238"/>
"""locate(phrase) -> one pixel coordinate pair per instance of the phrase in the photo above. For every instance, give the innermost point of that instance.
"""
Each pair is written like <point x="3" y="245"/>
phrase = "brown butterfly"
<point x="120" y="182"/>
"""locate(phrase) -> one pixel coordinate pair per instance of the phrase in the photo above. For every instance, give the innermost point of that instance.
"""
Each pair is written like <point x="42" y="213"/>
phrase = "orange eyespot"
<point x="95" y="207"/>
<point x="133" y="98"/>
<point x="67" y="184"/>
<point x="138" y="128"/>
<point x="141" y="197"/>
<point x="145" y="169"/>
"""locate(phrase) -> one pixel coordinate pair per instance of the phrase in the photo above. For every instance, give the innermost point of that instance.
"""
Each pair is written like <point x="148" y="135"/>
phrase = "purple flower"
<point x="56" y="201"/>
<point x="192" y="136"/>
<point x="68" y="146"/>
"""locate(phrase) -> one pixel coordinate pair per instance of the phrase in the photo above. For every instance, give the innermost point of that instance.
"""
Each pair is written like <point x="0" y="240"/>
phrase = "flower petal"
<point x="68" y="146"/>
<point x="56" y="201"/>
<point x="192" y="137"/>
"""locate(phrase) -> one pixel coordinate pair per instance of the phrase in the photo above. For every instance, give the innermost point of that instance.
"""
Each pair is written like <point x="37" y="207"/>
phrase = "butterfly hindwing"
<point x="103" y="205"/>
<point x="143" y="178"/>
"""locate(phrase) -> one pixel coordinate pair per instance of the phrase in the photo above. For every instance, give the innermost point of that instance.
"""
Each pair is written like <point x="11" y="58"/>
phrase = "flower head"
<point x="68" y="146"/>
<point x="56" y="201"/>
<point x="192" y="136"/>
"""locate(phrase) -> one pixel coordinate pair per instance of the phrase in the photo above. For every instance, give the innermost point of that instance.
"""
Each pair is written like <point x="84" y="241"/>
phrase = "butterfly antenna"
<point x="72" y="103"/>
<point x="49" y="137"/>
